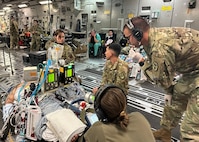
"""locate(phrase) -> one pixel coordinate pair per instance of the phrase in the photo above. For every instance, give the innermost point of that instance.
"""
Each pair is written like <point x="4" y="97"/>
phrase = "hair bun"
<point x="122" y="113"/>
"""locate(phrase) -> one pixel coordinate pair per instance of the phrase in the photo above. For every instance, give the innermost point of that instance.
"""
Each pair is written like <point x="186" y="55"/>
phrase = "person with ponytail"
<point x="115" y="124"/>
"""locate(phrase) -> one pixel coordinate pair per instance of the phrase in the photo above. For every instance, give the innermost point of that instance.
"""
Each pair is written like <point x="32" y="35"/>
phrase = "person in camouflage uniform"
<point x="14" y="34"/>
<point x="36" y="31"/>
<point x="25" y="30"/>
<point x="115" y="71"/>
<point x="50" y="42"/>
<point x="59" y="37"/>
<point x="171" y="50"/>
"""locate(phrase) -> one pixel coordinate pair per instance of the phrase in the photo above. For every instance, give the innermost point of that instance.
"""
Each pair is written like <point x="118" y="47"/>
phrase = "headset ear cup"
<point x="97" y="102"/>
<point x="137" y="34"/>
<point x="100" y="114"/>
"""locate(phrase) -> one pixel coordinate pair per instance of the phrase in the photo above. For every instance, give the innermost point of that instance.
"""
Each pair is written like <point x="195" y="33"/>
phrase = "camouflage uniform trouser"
<point x="185" y="98"/>
<point x="14" y="42"/>
<point x="35" y="43"/>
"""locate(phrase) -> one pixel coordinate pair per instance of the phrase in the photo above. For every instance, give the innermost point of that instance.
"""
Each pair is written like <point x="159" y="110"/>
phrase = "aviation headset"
<point x="97" y="103"/>
<point x="137" y="33"/>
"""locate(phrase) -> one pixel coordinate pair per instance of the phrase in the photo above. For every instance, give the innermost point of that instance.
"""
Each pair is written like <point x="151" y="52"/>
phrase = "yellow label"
<point x="107" y="12"/>
<point x="51" y="70"/>
<point x="166" y="8"/>
<point x="33" y="74"/>
<point x="61" y="69"/>
<point x="42" y="74"/>
<point x="130" y="15"/>
<point x="57" y="48"/>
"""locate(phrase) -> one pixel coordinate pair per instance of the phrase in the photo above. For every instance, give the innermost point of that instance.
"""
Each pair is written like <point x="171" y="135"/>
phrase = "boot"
<point x="162" y="134"/>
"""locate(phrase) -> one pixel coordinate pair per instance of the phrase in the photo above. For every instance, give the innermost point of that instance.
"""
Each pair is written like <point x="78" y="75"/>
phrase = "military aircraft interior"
<point x="27" y="43"/>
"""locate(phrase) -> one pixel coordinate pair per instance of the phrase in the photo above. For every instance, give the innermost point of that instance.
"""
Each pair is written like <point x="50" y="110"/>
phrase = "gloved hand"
<point x="136" y="56"/>
<point x="168" y="99"/>
<point x="61" y="62"/>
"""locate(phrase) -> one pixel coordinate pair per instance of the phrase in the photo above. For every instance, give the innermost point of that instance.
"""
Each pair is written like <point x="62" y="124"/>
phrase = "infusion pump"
<point x="57" y="76"/>
<point x="51" y="81"/>
<point x="67" y="73"/>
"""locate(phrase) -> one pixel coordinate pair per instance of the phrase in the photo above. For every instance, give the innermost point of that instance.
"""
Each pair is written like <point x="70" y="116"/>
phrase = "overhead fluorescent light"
<point x="22" y="5"/>
<point x="25" y="2"/>
<point x="45" y="2"/>
<point x="9" y="5"/>
<point x="6" y="8"/>
<point x="1" y="12"/>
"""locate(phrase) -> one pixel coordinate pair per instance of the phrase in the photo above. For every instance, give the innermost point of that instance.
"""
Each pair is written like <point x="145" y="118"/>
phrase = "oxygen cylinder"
<point x="89" y="98"/>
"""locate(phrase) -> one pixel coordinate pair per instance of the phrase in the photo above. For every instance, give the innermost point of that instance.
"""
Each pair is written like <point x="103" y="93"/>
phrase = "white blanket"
<point x="65" y="124"/>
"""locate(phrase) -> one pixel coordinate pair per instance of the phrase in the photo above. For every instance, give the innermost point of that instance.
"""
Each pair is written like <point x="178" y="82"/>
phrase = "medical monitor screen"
<point x="51" y="77"/>
<point x="69" y="72"/>
<point x="92" y="117"/>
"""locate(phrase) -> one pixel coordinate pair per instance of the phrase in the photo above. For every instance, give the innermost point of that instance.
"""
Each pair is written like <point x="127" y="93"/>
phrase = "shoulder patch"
<point x="122" y="75"/>
<point x="155" y="66"/>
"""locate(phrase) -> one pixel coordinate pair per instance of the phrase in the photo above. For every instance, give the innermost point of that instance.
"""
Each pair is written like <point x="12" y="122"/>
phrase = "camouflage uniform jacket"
<point x="68" y="54"/>
<point x="37" y="30"/>
<point x="14" y="28"/>
<point x="116" y="74"/>
<point x="49" y="43"/>
<point x="170" y="51"/>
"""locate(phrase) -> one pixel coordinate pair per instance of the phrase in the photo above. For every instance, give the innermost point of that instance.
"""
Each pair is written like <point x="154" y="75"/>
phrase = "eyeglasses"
<point x="127" y="37"/>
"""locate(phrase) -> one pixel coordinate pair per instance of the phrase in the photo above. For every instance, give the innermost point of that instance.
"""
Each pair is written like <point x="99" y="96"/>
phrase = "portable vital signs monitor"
<point x="51" y="81"/>
<point x="67" y="73"/>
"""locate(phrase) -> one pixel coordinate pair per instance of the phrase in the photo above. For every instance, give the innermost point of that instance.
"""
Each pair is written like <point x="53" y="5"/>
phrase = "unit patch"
<point x="122" y="75"/>
<point x="155" y="66"/>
